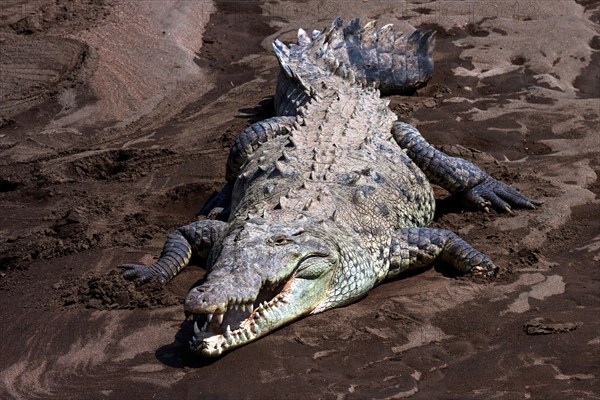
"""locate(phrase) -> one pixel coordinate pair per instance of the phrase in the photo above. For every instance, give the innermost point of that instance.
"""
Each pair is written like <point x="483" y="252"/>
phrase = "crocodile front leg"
<point x="413" y="248"/>
<point x="197" y="237"/>
<point x="457" y="175"/>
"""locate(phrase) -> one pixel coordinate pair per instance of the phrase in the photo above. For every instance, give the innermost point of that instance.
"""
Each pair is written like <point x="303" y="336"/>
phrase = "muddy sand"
<point x="115" y="122"/>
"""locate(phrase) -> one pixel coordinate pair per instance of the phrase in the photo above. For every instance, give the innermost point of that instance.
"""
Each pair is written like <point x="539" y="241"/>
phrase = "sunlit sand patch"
<point x="551" y="286"/>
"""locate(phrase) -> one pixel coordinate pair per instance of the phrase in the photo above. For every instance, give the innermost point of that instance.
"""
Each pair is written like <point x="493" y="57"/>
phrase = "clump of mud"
<point x="111" y="291"/>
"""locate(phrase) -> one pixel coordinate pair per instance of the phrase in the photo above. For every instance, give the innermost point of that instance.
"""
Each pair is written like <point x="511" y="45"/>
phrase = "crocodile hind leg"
<point x="413" y="248"/>
<point x="218" y="205"/>
<point x="244" y="145"/>
<point x="197" y="237"/>
<point x="251" y="138"/>
<point x="457" y="175"/>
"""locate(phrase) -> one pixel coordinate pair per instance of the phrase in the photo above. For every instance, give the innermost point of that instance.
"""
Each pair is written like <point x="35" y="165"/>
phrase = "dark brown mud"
<point x="115" y="122"/>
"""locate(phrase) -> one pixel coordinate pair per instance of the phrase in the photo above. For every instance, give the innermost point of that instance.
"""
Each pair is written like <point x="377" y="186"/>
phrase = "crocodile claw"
<point x="485" y="271"/>
<point x="139" y="273"/>
<point x="499" y="195"/>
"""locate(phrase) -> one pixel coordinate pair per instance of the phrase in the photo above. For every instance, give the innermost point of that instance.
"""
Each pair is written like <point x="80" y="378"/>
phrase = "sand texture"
<point x="115" y="122"/>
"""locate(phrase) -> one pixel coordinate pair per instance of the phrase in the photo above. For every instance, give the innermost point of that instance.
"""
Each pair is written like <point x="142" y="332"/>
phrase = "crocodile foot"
<point x="140" y="273"/>
<point x="501" y="196"/>
<point x="486" y="269"/>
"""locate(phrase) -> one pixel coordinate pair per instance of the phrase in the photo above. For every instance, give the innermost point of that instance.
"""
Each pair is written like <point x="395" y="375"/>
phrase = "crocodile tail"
<point x="292" y="91"/>
<point x="366" y="55"/>
<point x="380" y="57"/>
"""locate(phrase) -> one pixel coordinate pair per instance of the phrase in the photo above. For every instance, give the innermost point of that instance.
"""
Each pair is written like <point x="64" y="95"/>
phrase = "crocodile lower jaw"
<point x="217" y="336"/>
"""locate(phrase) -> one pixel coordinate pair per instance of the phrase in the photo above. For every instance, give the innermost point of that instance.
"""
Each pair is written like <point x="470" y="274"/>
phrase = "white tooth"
<point x="228" y="331"/>
<point x="250" y="308"/>
<point x="254" y="328"/>
<point x="220" y="318"/>
<point x="243" y="307"/>
<point x="209" y="317"/>
<point x="196" y="329"/>
<point x="235" y="307"/>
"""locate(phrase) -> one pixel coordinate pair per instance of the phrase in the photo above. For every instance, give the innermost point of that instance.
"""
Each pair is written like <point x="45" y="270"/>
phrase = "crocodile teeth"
<point x="220" y="318"/>
<point x="243" y="307"/>
<point x="196" y="329"/>
<point x="227" y="331"/>
<point x="209" y="317"/>
<point x="250" y="307"/>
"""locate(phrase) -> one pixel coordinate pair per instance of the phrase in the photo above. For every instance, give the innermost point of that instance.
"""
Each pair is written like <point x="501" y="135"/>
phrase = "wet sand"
<point x="115" y="124"/>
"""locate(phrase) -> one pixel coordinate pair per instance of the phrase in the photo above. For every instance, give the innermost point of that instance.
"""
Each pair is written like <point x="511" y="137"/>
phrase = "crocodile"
<point x="328" y="198"/>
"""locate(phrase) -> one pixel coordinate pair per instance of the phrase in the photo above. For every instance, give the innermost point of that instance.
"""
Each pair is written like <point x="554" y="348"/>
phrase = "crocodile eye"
<point x="279" y="240"/>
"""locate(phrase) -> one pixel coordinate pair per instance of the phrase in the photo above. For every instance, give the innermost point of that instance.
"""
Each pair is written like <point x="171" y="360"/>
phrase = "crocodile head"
<point x="264" y="275"/>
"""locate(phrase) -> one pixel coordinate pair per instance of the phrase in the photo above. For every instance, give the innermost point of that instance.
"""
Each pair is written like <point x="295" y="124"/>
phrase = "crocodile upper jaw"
<point x="243" y="324"/>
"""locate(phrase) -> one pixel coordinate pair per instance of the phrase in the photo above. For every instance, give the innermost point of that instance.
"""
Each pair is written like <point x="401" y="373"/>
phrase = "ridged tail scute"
<point x="292" y="91"/>
<point x="369" y="56"/>
<point x="387" y="59"/>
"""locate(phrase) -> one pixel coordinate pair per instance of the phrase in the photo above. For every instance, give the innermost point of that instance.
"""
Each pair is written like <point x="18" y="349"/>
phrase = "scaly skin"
<point x="330" y="198"/>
